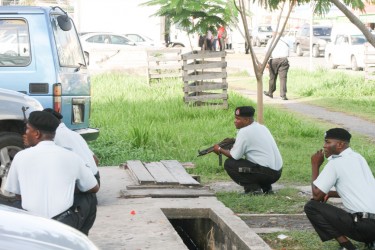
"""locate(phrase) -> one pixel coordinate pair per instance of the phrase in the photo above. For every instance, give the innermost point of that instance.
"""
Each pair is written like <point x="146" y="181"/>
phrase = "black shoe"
<point x="267" y="190"/>
<point x="252" y="189"/>
<point x="268" y="94"/>
<point x="284" y="98"/>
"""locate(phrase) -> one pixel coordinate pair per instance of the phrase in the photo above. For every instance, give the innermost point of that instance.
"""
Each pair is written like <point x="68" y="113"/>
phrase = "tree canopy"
<point x="197" y="16"/>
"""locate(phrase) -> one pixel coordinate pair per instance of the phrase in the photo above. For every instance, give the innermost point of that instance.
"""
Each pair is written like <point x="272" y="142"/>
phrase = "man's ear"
<point x="341" y="144"/>
<point x="38" y="134"/>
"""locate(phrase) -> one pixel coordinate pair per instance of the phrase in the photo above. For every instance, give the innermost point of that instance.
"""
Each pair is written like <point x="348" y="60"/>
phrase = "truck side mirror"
<point x="64" y="22"/>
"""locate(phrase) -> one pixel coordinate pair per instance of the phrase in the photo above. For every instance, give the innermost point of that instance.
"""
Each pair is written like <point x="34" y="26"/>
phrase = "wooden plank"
<point x="206" y="86"/>
<point x="179" y="172"/>
<point x="205" y="97"/>
<point x="139" y="172"/>
<point x="205" y="65"/>
<point x="160" y="173"/>
<point x="205" y="76"/>
<point x="166" y="193"/>
<point x="203" y="55"/>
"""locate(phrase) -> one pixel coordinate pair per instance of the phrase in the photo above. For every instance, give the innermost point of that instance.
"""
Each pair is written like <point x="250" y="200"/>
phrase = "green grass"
<point x="302" y="240"/>
<point x="338" y="91"/>
<point x="285" y="201"/>
<point x="152" y="123"/>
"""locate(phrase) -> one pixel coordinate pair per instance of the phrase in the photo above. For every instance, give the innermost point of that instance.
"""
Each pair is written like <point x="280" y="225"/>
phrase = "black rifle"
<point x="227" y="143"/>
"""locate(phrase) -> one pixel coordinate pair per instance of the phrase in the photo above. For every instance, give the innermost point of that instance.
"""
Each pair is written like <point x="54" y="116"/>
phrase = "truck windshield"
<point x="14" y="43"/>
<point x="68" y="46"/>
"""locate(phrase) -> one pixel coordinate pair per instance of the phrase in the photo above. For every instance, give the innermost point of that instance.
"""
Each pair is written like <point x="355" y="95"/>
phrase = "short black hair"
<point x="338" y="134"/>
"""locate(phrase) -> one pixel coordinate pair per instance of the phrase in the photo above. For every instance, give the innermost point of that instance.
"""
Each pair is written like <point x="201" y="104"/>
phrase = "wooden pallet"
<point x="167" y="178"/>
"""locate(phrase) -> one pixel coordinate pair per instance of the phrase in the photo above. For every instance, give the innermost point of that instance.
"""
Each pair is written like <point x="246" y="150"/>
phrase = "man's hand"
<point x="317" y="159"/>
<point x="217" y="149"/>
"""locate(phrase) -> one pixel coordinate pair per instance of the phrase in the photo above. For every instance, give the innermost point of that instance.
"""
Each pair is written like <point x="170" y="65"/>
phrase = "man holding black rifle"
<point x="352" y="178"/>
<point x="262" y="165"/>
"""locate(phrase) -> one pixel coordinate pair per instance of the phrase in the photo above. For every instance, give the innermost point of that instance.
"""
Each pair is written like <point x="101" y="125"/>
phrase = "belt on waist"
<point x="63" y="215"/>
<point x="365" y="215"/>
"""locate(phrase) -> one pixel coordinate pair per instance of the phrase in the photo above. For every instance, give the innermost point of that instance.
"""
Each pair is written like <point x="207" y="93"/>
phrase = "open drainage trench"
<point x="203" y="229"/>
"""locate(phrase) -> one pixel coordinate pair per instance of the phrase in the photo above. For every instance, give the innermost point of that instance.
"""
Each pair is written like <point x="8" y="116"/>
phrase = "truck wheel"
<point x="354" y="64"/>
<point x="330" y="63"/>
<point x="299" y="50"/>
<point x="315" y="51"/>
<point x="10" y="145"/>
<point x="178" y="45"/>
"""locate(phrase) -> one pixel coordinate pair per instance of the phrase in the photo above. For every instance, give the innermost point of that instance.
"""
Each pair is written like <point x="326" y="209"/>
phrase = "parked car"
<point x="142" y="40"/>
<point x="321" y="36"/>
<point x="41" y="56"/>
<point x="21" y="230"/>
<point x="109" y="42"/>
<point x="290" y="37"/>
<point x="346" y="50"/>
<point x="15" y="107"/>
<point x="261" y="34"/>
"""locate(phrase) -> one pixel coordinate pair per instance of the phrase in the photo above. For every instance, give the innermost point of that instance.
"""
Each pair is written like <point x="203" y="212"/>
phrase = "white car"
<point x="346" y="50"/>
<point x="142" y="40"/>
<point x="104" y="42"/>
<point x="21" y="230"/>
<point x="15" y="107"/>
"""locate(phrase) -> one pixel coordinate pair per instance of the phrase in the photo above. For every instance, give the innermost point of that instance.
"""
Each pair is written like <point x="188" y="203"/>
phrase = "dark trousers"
<point x="86" y="206"/>
<point x="257" y="176"/>
<point x="278" y="67"/>
<point x="331" y="222"/>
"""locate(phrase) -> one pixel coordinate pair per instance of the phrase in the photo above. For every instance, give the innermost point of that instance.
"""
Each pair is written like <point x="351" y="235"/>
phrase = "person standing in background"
<point x="278" y="65"/>
<point x="221" y="36"/>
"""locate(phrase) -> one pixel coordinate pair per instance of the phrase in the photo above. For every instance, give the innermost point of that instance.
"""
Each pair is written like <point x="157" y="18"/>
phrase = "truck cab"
<point x="41" y="56"/>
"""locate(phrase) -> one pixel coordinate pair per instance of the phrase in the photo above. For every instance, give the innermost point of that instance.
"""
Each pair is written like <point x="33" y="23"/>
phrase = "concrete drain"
<point x="203" y="229"/>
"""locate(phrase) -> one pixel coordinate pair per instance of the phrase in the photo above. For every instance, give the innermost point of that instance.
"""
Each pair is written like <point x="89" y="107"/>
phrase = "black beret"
<point x="338" y="134"/>
<point x="44" y="121"/>
<point x="245" y="111"/>
<point x="55" y="113"/>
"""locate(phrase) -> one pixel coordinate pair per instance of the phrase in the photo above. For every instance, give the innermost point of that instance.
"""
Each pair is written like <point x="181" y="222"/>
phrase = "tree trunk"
<point x="259" y="77"/>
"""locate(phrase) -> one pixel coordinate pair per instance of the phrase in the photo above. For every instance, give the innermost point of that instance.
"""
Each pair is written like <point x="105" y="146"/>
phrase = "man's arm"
<point x="94" y="189"/>
<point x="219" y="150"/>
<point x="316" y="161"/>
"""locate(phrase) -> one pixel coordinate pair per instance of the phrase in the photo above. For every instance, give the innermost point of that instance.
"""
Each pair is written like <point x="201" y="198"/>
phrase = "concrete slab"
<point x="141" y="223"/>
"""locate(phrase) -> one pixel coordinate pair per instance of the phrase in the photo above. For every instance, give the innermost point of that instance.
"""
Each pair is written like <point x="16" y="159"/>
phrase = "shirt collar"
<point x="343" y="153"/>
